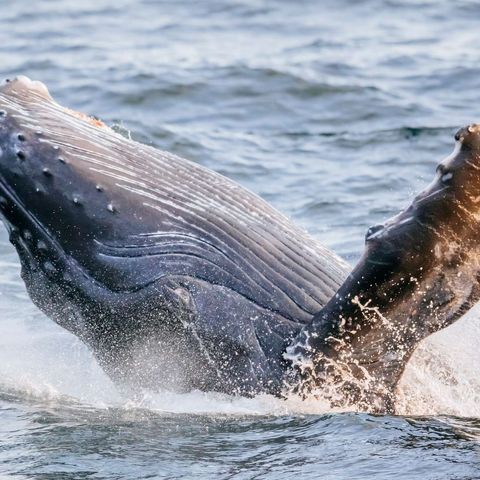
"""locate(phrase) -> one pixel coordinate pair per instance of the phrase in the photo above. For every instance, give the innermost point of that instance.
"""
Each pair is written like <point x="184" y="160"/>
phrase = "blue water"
<point x="334" y="111"/>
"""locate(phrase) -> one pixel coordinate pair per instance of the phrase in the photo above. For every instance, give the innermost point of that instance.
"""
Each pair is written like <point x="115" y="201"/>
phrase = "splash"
<point x="442" y="375"/>
<point x="40" y="361"/>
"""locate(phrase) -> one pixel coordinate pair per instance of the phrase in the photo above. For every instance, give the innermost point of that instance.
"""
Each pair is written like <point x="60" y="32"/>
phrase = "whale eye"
<point x="373" y="232"/>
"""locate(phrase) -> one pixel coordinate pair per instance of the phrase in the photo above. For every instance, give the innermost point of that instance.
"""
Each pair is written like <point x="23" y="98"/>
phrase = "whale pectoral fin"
<point x="418" y="274"/>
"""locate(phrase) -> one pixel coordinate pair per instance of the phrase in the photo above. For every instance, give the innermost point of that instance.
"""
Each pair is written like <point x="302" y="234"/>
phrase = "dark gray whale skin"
<point x="174" y="275"/>
<point x="178" y="278"/>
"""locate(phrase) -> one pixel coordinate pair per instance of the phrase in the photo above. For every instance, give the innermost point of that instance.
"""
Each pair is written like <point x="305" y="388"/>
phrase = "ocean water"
<point x="334" y="111"/>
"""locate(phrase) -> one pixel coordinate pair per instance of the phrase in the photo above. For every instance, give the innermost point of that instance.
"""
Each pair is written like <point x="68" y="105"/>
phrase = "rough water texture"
<point x="335" y="112"/>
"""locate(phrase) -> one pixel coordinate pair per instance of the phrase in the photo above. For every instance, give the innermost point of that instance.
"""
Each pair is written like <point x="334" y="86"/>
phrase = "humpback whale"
<point x="178" y="278"/>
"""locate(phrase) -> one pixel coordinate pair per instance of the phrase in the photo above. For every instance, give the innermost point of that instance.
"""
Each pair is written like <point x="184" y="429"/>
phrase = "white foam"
<point x="442" y="376"/>
<point x="38" y="359"/>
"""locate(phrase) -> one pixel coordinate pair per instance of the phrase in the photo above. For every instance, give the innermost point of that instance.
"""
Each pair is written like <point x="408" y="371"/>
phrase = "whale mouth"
<point x="38" y="199"/>
<point x="41" y="195"/>
<point x="43" y="260"/>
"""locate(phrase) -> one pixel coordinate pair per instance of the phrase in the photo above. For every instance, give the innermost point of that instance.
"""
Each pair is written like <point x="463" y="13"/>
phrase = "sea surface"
<point x="336" y="112"/>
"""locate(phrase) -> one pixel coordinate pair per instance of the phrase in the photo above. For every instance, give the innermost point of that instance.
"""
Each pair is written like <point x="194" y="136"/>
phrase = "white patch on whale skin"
<point x="446" y="251"/>
<point x="33" y="85"/>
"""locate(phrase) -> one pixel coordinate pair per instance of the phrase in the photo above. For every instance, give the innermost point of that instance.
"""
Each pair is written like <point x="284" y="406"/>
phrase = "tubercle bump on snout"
<point x="22" y="84"/>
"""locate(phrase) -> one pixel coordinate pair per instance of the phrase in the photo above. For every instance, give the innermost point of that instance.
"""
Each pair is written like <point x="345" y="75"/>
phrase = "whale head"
<point x="152" y="260"/>
<point x="61" y="204"/>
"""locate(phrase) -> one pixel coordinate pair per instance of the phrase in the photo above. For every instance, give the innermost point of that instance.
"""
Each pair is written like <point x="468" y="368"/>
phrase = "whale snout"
<point x="23" y="84"/>
<point x="50" y="199"/>
<point x="73" y="184"/>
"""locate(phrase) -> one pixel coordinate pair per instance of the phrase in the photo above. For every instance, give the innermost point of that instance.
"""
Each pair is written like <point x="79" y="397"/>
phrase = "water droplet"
<point x="49" y="267"/>
<point x="41" y="245"/>
<point x="27" y="235"/>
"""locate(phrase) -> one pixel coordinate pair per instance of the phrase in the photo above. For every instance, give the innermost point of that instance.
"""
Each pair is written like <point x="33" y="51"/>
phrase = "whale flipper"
<point x="418" y="274"/>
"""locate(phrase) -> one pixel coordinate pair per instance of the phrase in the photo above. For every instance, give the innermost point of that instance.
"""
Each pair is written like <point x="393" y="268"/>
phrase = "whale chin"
<point x="178" y="278"/>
